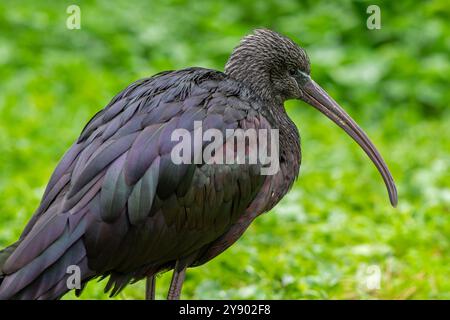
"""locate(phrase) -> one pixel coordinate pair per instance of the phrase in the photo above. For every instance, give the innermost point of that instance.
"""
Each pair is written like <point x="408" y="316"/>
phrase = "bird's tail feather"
<point x="37" y="272"/>
<point x="4" y="255"/>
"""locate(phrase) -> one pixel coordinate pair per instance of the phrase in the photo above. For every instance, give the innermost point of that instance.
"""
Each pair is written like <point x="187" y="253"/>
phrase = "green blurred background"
<point x="322" y="239"/>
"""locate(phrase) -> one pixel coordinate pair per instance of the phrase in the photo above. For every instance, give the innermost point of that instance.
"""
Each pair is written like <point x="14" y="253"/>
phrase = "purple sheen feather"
<point x="102" y="159"/>
<point x="114" y="191"/>
<point x="141" y="198"/>
<point x="36" y="241"/>
<point x="142" y="153"/>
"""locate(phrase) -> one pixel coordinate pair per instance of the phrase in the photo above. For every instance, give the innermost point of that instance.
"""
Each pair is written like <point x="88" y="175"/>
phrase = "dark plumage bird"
<point x="118" y="206"/>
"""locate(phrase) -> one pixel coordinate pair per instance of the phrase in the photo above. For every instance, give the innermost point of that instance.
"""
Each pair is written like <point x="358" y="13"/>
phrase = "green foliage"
<point x="337" y="219"/>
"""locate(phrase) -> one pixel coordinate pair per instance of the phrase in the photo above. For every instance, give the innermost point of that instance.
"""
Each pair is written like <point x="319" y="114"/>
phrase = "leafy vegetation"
<point x="337" y="220"/>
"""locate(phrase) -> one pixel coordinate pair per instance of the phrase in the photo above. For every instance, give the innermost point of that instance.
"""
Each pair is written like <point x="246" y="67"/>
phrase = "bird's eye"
<point x="293" y="72"/>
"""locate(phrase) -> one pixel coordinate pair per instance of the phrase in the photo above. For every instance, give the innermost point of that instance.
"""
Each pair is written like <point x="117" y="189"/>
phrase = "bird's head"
<point x="277" y="69"/>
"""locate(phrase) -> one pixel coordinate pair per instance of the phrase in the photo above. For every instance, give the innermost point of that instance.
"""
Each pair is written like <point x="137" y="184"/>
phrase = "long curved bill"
<point x="319" y="99"/>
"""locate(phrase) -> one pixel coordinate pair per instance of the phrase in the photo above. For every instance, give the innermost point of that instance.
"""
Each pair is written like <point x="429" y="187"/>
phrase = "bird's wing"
<point x="116" y="197"/>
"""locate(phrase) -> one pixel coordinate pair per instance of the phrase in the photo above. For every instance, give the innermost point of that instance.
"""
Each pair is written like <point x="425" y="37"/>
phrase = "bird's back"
<point x="118" y="205"/>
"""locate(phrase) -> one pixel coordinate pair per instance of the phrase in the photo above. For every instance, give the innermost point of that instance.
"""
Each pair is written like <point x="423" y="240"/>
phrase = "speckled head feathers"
<point x="262" y="61"/>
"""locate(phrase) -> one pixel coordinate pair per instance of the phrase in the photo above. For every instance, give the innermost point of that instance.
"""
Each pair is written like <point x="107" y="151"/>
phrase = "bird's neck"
<point x="253" y="74"/>
<point x="289" y="136"/>
<point x="289" y="143"/>
<point x="289" y="154"/>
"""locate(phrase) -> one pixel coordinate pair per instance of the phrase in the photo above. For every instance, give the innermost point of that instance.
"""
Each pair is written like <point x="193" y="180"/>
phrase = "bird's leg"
<point x="179" y="273"/>
<point x="150" y="288"/>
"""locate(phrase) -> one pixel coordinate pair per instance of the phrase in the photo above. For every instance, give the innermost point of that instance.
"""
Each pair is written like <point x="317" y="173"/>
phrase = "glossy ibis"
<point x="117" y="205"/>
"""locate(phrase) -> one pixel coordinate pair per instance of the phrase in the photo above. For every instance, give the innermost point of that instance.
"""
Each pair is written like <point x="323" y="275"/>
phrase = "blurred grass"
<point x="337" y="219"/>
